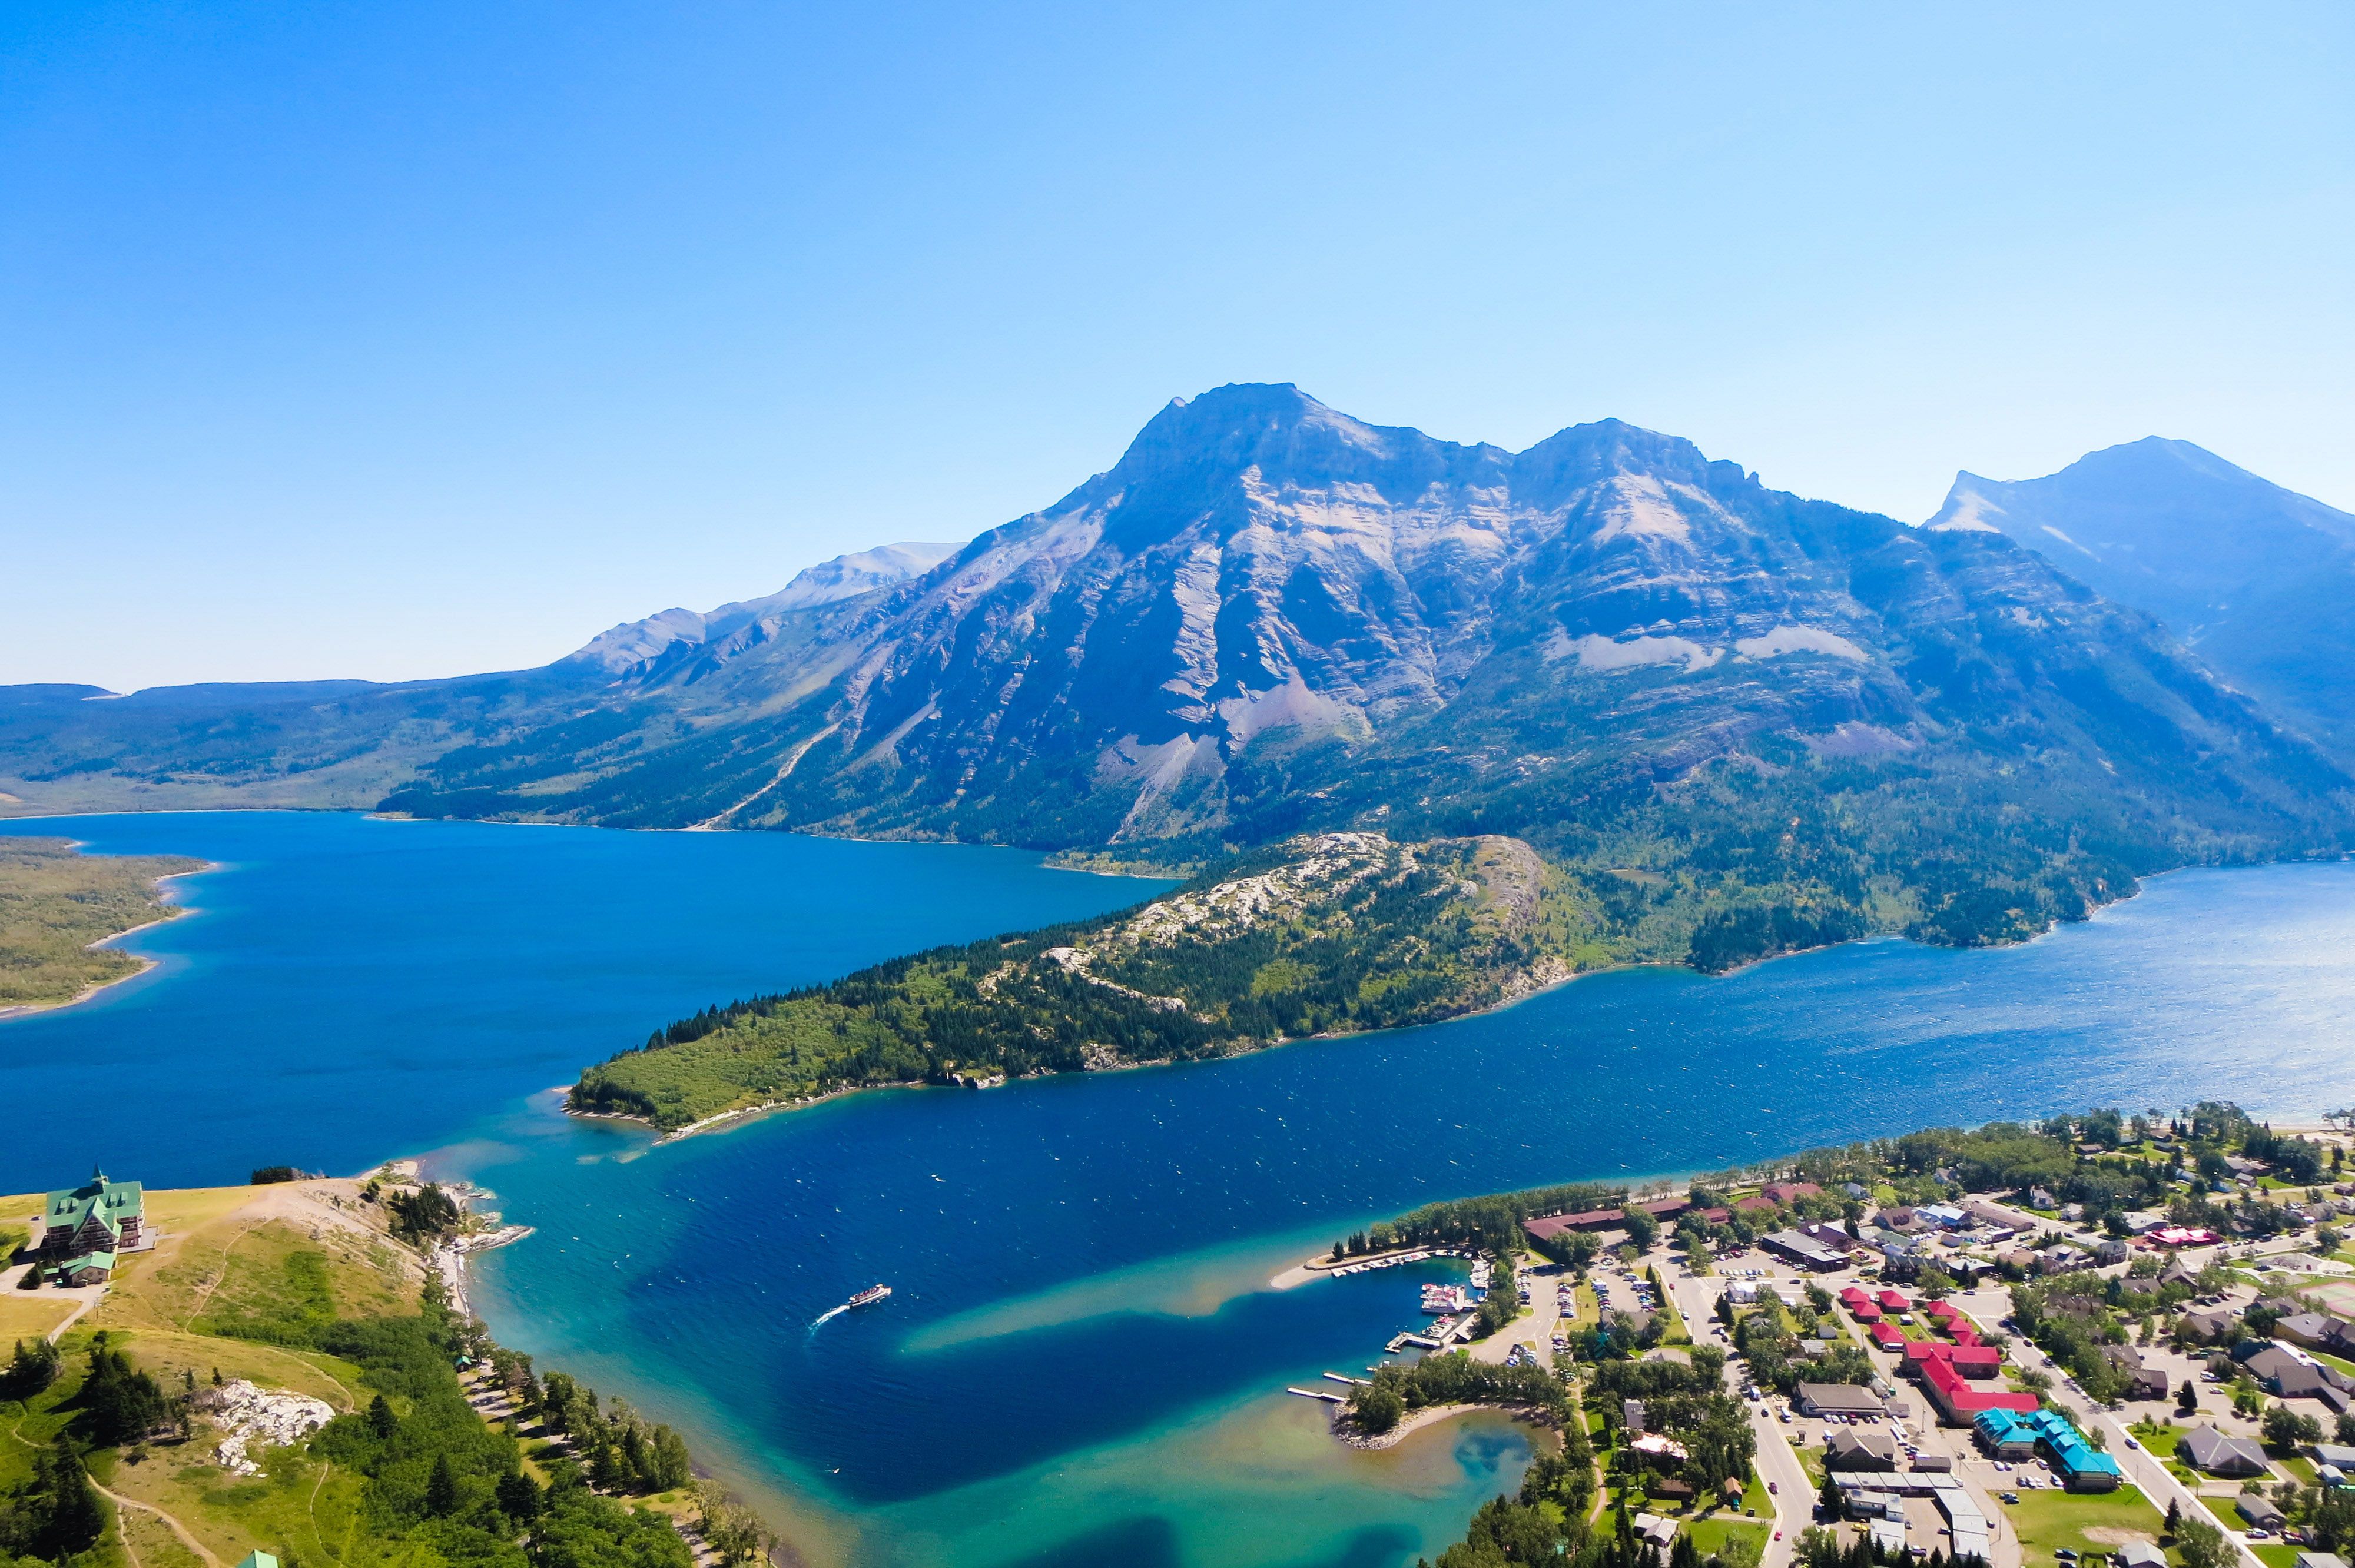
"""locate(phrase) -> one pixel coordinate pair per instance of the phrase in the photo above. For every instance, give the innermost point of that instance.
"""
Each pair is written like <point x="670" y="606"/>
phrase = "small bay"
<point x="1080" y="1362"/>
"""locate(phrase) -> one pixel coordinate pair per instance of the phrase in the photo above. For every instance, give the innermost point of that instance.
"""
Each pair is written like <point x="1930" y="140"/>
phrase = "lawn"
<point x="2048" y="1520"/>
<point x="1675" y="1333"/>
<point x="29" y="1313"/>
<point x="2160" y="1440"/>
<point x="2226" y="1514"/>
<point x="1709" y="1536"/>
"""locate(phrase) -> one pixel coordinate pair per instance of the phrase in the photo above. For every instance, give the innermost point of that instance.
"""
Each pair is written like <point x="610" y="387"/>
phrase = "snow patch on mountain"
<point x="1799" y="640"/>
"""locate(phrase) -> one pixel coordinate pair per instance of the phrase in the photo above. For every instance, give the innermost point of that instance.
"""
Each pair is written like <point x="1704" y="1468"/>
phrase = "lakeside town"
<point x="2143" y="1354"/>
<point x="2105" y="1338"/>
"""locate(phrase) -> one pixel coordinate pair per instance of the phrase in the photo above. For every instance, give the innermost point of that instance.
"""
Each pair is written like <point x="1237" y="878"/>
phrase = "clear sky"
<point x="390" y="341"/>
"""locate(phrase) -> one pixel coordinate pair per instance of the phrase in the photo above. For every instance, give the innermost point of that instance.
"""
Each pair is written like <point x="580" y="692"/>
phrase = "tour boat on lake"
<point x="868" y="1297"/>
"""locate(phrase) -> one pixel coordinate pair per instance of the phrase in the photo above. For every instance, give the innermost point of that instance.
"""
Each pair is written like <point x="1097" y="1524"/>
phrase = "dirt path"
<point x="213" y="1280"/>
<point x="186" y="1540"/>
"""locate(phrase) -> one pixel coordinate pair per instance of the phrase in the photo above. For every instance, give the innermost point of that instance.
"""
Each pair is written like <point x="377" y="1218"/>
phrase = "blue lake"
<point x="348" y="989"/>
<point x="1082" y="1363"/>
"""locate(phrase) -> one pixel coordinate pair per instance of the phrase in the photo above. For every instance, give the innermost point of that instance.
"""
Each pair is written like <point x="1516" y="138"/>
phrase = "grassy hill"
<point x="302" y="1288"/>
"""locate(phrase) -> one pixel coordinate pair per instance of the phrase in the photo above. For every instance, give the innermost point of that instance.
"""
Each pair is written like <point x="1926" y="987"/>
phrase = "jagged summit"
<point x="1267" y="617"/>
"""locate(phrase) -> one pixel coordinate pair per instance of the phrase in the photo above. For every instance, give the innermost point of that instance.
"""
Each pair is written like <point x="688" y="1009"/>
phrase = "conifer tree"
<point x="72" y="1520"/>
<point x="442" y="1488"/>
<point x="519" y="1497"/>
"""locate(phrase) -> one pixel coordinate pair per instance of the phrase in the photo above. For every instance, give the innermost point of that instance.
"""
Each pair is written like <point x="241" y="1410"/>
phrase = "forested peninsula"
<point x="1322" y="934"/>
<point x="1333" y="934"/>
<point x="56" y="901"/>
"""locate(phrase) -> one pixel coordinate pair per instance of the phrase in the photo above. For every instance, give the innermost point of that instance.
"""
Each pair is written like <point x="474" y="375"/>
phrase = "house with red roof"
<point x="1867" y="1313"/>
<point x="1958" y="1400"/>
<point x="1978" y="1362"/>
<point x="1665" y="1210"/>
<point x="1782" y="1192"/>
<point x="1888" y="1336"/>
<point x="1892" y="1301"/>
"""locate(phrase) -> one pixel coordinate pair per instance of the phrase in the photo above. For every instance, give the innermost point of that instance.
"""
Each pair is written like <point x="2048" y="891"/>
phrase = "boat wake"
<point x="867" y="1298"/>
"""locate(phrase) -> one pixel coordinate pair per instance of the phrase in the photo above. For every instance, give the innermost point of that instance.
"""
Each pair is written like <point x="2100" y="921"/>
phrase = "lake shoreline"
<point x="172" y="911"/>
<point x="1542" y="979"/>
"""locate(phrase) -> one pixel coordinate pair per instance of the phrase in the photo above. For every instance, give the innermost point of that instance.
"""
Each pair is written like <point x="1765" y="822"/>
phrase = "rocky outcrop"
<point x="252" y="1418"/>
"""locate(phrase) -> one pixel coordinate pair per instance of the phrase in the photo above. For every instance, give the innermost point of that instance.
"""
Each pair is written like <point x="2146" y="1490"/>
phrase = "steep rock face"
<point x="2259" y="580"/>
<point x="1269" y="615"/>
<point x="1736" y="720"/>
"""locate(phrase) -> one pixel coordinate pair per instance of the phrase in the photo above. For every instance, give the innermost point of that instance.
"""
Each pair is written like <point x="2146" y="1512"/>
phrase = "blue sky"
<point x="399" y="340"/>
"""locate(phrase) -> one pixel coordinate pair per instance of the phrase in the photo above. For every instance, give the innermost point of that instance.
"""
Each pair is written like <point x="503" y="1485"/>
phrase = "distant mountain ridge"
<point x="636" y="645"/>
<point x="1710" y="700"/>
<point x="2259" y="580"/>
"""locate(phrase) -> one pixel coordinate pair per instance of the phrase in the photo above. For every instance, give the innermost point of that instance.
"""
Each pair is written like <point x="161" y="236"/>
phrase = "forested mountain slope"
<point x="2259" y="580"/>
<point x="1739" y="719"/>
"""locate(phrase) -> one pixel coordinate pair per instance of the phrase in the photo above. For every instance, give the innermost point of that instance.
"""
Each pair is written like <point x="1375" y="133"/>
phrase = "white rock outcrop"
<point x="255" y="1418"/>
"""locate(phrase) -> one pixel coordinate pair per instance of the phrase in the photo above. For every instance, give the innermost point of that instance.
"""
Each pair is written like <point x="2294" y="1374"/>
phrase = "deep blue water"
<point x="349" y="990"/>
<point x="1081" y="1363"/>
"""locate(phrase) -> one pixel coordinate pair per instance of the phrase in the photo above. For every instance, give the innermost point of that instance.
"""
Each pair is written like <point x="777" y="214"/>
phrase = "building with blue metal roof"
<point x="2080" y="1467"/>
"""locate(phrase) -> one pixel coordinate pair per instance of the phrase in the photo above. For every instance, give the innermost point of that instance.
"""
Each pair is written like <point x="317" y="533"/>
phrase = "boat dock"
<point x="1419" y="1342"/>
<point x="1385" y="1260"/>
<point x="1343" y="1377"/>
<point x="1317" y="1393"/>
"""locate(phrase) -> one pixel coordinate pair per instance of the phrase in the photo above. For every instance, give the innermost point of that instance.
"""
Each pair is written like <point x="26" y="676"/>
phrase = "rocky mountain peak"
<point x="637" y="644"/>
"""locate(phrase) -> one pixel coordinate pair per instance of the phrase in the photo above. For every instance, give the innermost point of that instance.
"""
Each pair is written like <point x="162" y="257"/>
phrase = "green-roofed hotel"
<point x="83" y="1229"/>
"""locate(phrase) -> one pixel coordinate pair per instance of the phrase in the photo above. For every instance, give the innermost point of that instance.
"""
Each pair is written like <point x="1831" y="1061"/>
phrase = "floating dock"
<point x="1317" y="1393"/>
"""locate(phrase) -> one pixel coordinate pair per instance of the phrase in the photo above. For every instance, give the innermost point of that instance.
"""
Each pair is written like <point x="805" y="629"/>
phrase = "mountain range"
<point x="2258" y="580"/>
<point x="1725" y="713"/>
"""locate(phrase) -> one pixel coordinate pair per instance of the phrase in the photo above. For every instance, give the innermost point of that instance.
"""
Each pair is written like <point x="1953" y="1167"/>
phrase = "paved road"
<point x="1794" y="1495"/>
<point x="2157" y="1483"/>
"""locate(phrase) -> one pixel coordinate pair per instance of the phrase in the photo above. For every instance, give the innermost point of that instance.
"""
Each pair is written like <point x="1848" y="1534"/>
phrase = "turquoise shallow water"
<point x="1081" y="1363"/>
